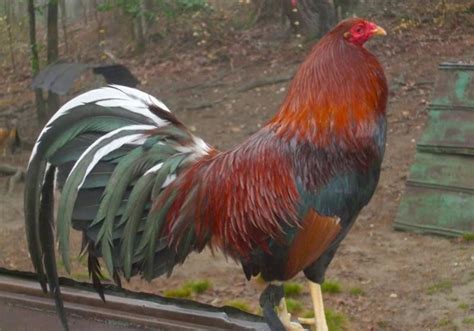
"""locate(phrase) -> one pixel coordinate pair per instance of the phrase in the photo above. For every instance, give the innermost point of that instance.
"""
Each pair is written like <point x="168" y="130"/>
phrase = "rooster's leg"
<point x="285" y="317"/>
<point x="269" y="299"/>
<point x="318" y="306"/>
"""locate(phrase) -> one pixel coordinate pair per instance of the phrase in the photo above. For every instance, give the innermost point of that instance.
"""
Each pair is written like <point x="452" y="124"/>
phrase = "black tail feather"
<point x="116" y="278"/>
<point x="46" y="225"/>
<point x="94" y="270"/>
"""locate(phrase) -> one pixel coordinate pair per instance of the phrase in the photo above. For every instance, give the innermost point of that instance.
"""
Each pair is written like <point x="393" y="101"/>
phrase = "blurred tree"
<point x="99" y="22"/>
<point x="62" y="5"/>
<point x="139" y="26"/>
<point x="35" y="67"/>
<point x="345" y="8"/>
<point x="84" y="10"/>
<point x="147" y="19"/>
<point x="9" y="13"/>
<point x="52" y="49"/>
<point x="134" y="11"/>
<point x="312" y="18"/>
<point x="267" y="10"/>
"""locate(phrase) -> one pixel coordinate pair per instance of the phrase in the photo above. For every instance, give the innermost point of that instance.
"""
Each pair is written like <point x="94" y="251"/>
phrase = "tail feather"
<point x="33" y="183"/>
<point x="46" y="236"/>
<point x="83" y="166"/>
<point x="94" y="270"/>
<point x="111" y="152"/>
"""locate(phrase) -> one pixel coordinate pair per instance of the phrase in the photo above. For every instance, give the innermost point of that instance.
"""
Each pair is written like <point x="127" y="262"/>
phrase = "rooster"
<point x="145" y="192"/>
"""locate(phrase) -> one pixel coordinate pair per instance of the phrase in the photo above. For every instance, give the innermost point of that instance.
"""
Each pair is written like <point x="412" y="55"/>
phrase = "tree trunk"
<point x="267" y="10"/>
<point x="148" y="6"/>
<point x="62" y="4"/>
<point x="99" y="23"/>
<point x="345" y="8"/>
<point x="39" y="100"/>
<point x="52" y="50"/>
<point x="84" y="11"/>
<point x="139" y="35"/>
<point x="8" y="15"/>
<point x="313" y="18"/>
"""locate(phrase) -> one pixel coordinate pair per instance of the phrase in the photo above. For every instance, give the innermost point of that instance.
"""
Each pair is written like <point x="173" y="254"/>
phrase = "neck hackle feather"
<point x="338" y="93"/>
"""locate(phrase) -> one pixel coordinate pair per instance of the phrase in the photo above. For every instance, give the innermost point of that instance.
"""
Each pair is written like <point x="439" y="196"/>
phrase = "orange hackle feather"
<point x="319" y="109"/>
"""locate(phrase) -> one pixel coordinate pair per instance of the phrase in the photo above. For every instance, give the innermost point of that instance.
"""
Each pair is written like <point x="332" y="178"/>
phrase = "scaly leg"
<point x="318" y="306"/>
<point x="285" y="317"/>
<point x="269" y="299"/>
<point x="273" y="297"/>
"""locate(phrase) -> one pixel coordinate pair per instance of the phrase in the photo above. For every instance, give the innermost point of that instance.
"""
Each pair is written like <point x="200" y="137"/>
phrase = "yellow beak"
<point x="379" y="31"/>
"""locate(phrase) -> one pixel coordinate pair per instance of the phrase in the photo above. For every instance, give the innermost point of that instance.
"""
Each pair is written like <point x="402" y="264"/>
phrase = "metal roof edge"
<point x="134" y="308"/>
<point x="455" y="66"/>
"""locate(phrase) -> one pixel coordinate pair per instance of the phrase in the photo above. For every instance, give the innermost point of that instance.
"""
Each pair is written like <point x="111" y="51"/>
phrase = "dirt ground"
<point x="407" y="281"/>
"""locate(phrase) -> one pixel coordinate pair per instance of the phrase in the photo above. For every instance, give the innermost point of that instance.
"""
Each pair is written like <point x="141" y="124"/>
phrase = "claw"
<point x="285" y="318"/>
<point x="307" y="321"/>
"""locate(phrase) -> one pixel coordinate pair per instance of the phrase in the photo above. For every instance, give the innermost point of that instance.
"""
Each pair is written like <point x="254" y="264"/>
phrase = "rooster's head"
<point x="357" y="31"/>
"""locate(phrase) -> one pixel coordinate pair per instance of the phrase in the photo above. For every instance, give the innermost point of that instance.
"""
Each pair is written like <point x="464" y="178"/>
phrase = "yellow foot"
<point x="307" y="321"/>
<point x="285" y="318"/>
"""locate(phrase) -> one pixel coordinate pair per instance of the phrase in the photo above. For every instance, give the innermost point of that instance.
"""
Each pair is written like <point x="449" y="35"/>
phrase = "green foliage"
<point x="172" y="9"/>
<point x="169" y="8"/>
<point x="104" y="6"/>
<point x="336" y="321"/>
<point x="468" y="236"/>
<point x="188" y="289"/>
<point x="183" y="292"/>
<point x="292" y="289"/>
<point x="331" y="287"/>
<point x="442" y="286"/>
<point x="383" y="324"/>
<point x="198" y="286"/>
<point x="293" y="305"/>
<point x="239" y="304"/>
<point x="356" y="291"/>
<point x="82" y="276"/>
<point x="447" y="324"/>
<point x="191" y="5"/>
<point x="463" y="306"/>
<point x="468" y="321"/>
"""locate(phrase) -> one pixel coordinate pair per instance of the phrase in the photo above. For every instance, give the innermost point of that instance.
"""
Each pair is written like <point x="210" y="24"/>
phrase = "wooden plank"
<point x="451" y="172"/>
<point x="427" y="210"/>
<point x="448" y="132"/>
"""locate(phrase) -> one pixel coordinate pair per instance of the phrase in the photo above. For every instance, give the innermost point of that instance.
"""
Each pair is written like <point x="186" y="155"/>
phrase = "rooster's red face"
<point x="362" y="31"/>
